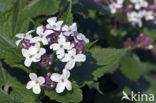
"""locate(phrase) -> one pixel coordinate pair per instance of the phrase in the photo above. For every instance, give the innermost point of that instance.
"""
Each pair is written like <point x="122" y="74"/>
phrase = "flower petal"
<point x="66" y="58"/>
<point x="45" y="41"/>
<point x="35" y="39"/>
<point x="60" y="87"/>
<point x="27" y="62"/>
<point x="18" y="42"/>
<point x="55" y="77"/>
<point x="37" y="89"/>
<point x="54" y="46"/>
<point x="70" y="65"/>
<point x="68" y="85"/>
<point x="80" y="58"/>
<point x="25" y="53"/>
<point x="30" y="84"/>
<point x="48" y="32"/>
<point x="21" y="36"/>
<point x="39" y="30"/>
<point x="33" y="76"/>
<point x="66" y="74"/>
<point x="41" y="80"/>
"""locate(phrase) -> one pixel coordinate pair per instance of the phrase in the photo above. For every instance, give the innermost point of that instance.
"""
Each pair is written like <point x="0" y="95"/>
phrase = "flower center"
<point x="62" y="80"/>
<point x="38" y="51"/>
<point x="36" y="82"/>
<point x="30" y="56"/>
<point x="41" y="36"/>
<point x="69" y="30"/>
<point x="61" y="46"/>
<point x="72" y="57"/>
<point x="54" y="26"/>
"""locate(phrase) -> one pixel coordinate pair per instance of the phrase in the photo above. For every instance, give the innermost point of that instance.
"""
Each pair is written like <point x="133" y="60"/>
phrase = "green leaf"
<point x="131" y="67"/>
<point x="89" y="45"/>
<point x="67" y="16"/>
<point x="74" y="96"/>
<point x="5" y="5"/>
<point x="98" y="62"/>
<point x="18" y="93"/>
<point x="41" y="7"/>
<point x="94" y="6"/>
<point x="150" y="32"/>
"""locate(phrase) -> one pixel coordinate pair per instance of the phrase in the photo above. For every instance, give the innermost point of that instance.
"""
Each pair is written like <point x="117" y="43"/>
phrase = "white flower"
<point x="79" y="36"/>
<point x="33" y="54"/>
<point x="62" y="81"/>
<point x="42" y="35"/>
<point x="54" y="24"/>
<point x="68" y="30"/>
<point x="61" y="46"/>
<point x="72" y="57"/>
<point x="82" y="37"/>
<point x="116" y="5"/>
<point x="139" y="4"/>
<point x="35" y="83"/>
<point x="135" y="18"/>
<point x="22" y="36"/>
<point x="149" y="15"/>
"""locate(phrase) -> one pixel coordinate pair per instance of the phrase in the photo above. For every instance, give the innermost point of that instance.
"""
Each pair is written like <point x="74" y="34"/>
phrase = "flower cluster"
<point x="63" y="41"/>
<point x="136" y="10"/>
<point x="141" y="42"/>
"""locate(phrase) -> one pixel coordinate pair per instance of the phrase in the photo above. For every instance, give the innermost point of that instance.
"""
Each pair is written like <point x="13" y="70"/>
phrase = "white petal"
<point x="61" y="39"/>
<point x="60" y="87"/>
<point x="31" y="31"/>
<point x="42" y="51"/>
<point x="27" y="62"/>
<point x="80" y="58"/>
<point x="66" y="58"/>
<point x="41" y="80"/>
<point x="60" y="22"/>
<point x="35" y="39"/>
<point x="55" y="77"/>
<point x="30" y="84"/>
<point x="60" y="53"/>
<point x="28" y="37"/>
<point x="25" y="53"/>
<point x="65" y="74"/>
<point x="72" y="52"/>
<point x="37" y="89"/>
<point x="65" y="28"/>
<point x="67" y="45"/>
<point x="39" y="30"/>
<point x="55" y="46"/>
<point x="18" y="42"/>
<point x="21" y="36"/>
<point x="48" y="32"/>
<point x="44" y="41"/>
<point x="73" y="27"/>
<point x="68" y="85"/>
<point x="52" y="20"/>
<point x="70" y="65"/>
<point x="33" y="76"/>
<point x="37" y="45"/>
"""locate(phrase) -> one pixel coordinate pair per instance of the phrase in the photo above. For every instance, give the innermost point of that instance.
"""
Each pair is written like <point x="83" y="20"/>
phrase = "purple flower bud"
<point x="45" y="61"/>
<point x="27" y="44"/>
<point x="78" y="45"/>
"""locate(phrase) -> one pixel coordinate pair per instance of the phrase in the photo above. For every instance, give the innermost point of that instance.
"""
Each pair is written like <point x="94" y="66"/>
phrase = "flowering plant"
<point x="45" y="58"/>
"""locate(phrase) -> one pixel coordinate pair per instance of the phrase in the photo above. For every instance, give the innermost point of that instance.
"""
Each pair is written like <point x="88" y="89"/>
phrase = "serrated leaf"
<point x="131" y="67"/>
<point x="89" y="45"/>
<point x="41" y="7"/>
<point x="74" y="96"/>
<point x="98" y="62"/>
<point x="67" y="16"/>
<point x="16" y="79"/>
